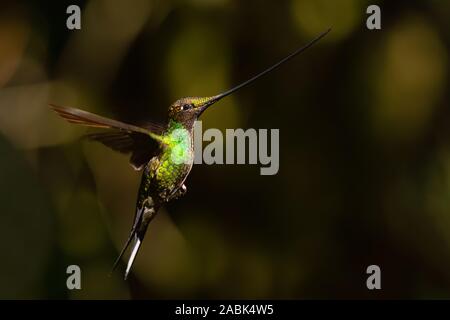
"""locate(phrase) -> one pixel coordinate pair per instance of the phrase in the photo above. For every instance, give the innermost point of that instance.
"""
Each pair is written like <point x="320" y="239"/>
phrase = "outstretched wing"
<point x="126" y="138"/>
<point x="141" y="147"/>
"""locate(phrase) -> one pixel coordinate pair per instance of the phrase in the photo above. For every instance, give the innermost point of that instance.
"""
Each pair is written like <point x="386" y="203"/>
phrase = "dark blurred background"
<point x="364" y="149"/>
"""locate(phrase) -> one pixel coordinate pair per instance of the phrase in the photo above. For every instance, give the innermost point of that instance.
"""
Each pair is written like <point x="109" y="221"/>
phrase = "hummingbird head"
<point x="187" y="110"/>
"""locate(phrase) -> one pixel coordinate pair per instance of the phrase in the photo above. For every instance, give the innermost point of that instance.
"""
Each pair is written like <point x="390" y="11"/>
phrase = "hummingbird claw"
<point x="179" y="192"/>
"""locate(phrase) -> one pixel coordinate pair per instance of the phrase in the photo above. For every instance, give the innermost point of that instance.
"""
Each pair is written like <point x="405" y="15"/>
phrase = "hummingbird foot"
<point x="179" y="193"/>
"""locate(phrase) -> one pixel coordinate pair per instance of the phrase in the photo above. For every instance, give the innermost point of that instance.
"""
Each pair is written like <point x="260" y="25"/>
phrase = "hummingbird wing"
<point x="141" y="142"/>
<point x="141" y="147"/>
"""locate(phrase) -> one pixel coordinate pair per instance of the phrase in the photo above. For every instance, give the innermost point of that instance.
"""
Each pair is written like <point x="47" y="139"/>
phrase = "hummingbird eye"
<point x="185" y="107"/>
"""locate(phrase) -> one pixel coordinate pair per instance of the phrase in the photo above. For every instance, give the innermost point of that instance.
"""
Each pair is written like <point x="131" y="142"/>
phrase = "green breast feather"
<point x="177" y="157"/>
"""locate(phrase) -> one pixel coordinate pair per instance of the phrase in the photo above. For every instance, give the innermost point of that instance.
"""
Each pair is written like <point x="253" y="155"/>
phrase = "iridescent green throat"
<point x="178" y="143"/>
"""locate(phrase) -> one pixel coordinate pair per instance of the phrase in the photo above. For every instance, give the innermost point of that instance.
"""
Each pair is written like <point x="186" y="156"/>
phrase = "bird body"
<point x="162" y="180"/>
<point x="164" y="153"/>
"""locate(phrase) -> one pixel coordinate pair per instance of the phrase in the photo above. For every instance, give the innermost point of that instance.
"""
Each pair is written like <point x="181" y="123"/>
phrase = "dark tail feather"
<point x="143" y="223"/>
<point x="133" y="233"/>
<point x="143" y="217"/>
<point x="116" y="263"/>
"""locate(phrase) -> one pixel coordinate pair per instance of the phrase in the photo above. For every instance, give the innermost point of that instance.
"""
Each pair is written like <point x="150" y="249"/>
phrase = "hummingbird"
<point x="164" y="153"/>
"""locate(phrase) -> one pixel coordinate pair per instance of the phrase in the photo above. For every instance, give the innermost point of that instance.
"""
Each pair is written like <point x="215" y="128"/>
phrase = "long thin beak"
<point x="210" y="101"/>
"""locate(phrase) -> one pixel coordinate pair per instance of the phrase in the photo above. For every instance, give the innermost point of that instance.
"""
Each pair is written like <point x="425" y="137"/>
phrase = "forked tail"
<point x="143" y="217"/>
<point x="130" y="237"/>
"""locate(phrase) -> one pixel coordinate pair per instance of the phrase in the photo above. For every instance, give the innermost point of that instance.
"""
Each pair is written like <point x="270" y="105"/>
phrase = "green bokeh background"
<point x="364" y="123"/>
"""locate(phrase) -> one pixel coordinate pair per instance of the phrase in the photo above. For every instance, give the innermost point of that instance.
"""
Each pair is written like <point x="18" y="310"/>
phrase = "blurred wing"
<point x="141" y="147"/>
<point x="85" y="118"/>
<point x="140" y="142"/>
